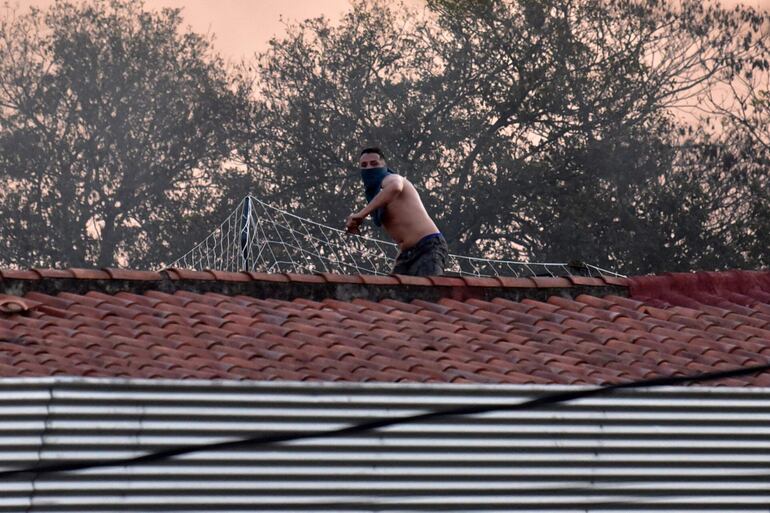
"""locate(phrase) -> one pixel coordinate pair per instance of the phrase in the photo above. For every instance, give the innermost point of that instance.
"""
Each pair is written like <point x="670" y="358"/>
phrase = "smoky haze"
<point x="533" y="130"/>
<point x="243" y="27"/>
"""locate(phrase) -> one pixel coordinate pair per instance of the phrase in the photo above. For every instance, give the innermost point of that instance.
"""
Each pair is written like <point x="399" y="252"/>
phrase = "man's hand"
<point x="392" y="185"/>
<point x="353" y="222"/>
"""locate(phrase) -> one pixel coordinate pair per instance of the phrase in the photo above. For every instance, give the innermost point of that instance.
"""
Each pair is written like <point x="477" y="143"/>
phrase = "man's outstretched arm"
<point x="392" y="186"/>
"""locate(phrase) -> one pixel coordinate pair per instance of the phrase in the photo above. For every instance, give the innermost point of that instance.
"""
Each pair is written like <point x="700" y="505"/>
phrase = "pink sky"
<point x="243" y="27"/>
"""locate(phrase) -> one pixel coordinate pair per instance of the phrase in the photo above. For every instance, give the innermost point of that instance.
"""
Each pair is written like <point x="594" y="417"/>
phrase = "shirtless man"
<point x="395" y="205"/>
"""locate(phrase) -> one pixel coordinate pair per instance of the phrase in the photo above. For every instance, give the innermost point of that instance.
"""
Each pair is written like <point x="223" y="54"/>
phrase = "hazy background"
<point x="243" y="27"/>
<point x="631" y="135"/>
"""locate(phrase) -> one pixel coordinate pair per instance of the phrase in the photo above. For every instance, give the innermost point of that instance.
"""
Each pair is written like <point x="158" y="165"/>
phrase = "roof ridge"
<point x="311" y="286"/>
<point x="682" y="287"/>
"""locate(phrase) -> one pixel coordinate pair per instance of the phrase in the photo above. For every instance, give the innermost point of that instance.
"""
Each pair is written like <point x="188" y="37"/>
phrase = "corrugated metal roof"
<point x="669" y="449"/>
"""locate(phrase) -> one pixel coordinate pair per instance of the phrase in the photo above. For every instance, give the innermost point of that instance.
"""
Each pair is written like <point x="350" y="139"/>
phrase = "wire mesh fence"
<point x="262" y="238"/>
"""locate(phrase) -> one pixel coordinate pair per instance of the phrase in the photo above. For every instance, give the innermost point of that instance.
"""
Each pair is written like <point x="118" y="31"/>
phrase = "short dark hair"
<point x="373" y="149"/>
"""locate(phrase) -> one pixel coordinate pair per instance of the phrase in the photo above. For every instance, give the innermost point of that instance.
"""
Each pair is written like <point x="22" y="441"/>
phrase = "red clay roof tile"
<point x="268" y="277"/>
<point x="18" y="274"/>
<point x="517" y="283"/>
<point x="15" y="304"/>
<point x="446" y="281"/>
<point x="680" y="323"/>
<point x="230" y="276"/>
<point x="90" y="274"/>
<point x="551" y="282"/>
<point x="188" y="274"/>
<point x="53" y="273"/>
<point x="586" y="281"/>
<point x="305" y="278"/>
<point x="616" y="280"/>
<point x="340" y="278"/>
<point x="132" y="275"/>
<point x="420" y="281"/>
<point x="369" y="279"/>
<point x="472" y="281"/>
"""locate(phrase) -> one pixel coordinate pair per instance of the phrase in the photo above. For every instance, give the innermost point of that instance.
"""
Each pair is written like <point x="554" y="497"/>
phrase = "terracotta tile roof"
<point x="182" y="324"/>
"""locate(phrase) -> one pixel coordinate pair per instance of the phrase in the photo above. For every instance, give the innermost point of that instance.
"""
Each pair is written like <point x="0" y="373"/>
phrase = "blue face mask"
<point x="372" y="178"/>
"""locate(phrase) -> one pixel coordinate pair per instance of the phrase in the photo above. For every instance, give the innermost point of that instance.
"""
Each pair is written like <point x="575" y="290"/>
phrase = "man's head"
<point x="371" y="158"/>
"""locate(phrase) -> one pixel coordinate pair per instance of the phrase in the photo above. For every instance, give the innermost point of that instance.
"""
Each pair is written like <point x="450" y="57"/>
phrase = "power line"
<point x="261" y="440"/>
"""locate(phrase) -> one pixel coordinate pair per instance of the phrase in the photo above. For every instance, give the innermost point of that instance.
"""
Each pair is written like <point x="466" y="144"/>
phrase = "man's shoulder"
<point x="393" y="178"/>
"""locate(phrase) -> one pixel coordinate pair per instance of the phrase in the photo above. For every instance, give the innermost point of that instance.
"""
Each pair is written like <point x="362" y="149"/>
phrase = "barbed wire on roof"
<point x="259" y="237"/>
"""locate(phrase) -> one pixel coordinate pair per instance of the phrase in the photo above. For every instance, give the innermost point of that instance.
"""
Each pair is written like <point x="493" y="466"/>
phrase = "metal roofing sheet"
<point x="670" y="449"/>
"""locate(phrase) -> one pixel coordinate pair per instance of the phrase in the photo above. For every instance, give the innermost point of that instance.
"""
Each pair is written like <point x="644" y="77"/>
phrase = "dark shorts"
<point x="428" y="257"/>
